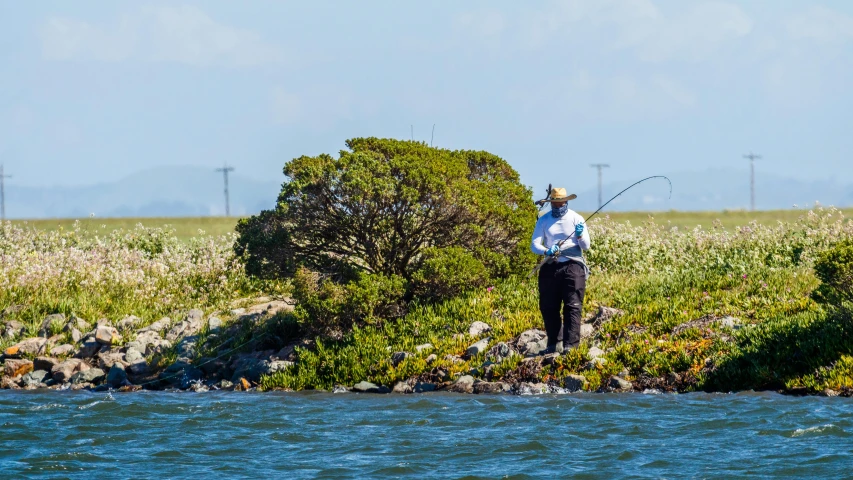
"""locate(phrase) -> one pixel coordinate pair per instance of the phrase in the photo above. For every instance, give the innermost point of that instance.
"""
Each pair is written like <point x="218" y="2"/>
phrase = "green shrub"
<point x="329" y="308"/>
<point x="447" y="272"/>
<point x="834" y="268"/>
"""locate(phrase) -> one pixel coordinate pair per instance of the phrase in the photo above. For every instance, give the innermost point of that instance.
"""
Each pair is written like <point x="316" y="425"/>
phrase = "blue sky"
<point x="94" y="91"/>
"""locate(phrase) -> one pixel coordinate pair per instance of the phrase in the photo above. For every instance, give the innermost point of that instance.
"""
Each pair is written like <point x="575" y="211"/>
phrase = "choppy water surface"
<point x="156" y="434"/>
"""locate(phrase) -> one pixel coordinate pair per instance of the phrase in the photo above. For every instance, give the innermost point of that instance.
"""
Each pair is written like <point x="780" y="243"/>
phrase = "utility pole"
<point x="599" y="166"/>
<point x="225" y="169"/>
<point x="752" y="157"/>
<point x="3" y="178"/>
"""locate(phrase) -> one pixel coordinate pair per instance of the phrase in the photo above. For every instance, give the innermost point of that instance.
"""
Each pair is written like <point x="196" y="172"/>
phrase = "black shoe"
<point x="549" y="350"/>
<point x="567" y="347"/>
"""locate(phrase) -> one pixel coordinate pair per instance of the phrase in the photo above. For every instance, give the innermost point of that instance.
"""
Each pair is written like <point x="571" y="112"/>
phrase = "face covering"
<point x="559" y="212"/>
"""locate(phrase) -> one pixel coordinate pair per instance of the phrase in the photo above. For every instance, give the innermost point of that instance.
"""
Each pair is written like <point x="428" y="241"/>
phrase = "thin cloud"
<point x="175" y="34"/>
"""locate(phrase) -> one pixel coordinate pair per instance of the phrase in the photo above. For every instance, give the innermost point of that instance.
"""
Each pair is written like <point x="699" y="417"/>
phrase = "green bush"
<point x="447" y="272"/>
<point x="834" y="268"/>
<point x="380" y="206"/>
<point x="329" y="308"/>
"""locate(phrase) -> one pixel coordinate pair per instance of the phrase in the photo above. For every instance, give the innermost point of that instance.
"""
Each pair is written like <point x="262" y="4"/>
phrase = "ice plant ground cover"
<point x="672" y="285"/>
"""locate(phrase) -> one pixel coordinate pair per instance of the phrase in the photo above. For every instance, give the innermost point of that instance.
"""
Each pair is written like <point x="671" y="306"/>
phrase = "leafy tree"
<point x="379" y="206"/>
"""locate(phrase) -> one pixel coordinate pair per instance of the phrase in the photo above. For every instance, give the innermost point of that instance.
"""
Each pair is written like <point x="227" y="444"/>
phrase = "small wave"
<point x="652" y="391"/>
<point x="47" y="406"/>
<point x="820" y="429"/>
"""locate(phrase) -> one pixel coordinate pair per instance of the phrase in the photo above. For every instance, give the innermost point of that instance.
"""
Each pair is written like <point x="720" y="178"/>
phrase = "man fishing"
<point x="562" y="237"/>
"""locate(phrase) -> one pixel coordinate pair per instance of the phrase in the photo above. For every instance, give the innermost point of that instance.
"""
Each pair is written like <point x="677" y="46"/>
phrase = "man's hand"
<point x="579" y="230"/>
<point x="554" y="250"/>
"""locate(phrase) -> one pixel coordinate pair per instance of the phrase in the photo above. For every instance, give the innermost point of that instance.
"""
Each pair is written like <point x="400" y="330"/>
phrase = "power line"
<point x="752" y="157"/>
<point x="599" y="166"/>
<point x="225" y="169"/>
<point x="3" y="178"/>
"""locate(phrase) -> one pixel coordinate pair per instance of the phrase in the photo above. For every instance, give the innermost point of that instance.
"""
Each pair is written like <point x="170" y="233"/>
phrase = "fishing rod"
<point x="546" y="258"/>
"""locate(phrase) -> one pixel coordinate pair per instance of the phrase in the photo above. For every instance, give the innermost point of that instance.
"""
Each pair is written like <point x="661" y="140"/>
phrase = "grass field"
<point x="189" y="227"/>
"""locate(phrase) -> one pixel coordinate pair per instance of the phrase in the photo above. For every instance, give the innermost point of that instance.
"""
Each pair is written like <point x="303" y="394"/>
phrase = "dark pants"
<point x="561" y="287"/>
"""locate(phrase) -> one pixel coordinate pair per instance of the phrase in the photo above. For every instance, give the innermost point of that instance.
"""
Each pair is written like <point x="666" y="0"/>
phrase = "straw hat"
<point x="559" y="195"/>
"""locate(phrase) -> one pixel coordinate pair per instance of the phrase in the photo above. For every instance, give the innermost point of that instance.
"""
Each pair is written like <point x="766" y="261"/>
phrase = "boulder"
<point x="287" y="353"/>
<point x="604" y="314"/>
<point x="56" y="320"/>
<point x="422" y="347"/>
<point x="499" y="352"/>
<point x="34" y="379"/>
<point x="158" y="347"/>
<point x="106" y="335"/>
<point x="618" y="384"/>
<point x="730" y="322"/>
<point x="13" y="328"/>
<point x="278" y="366"/>
<point x="398" y="357"/>
<point x="532" y="341"/>
<point x="595" y="352"/>
<point x="157" y="326"/>
<point x="191" y="325"/>
<point x="187" y="347"/>
<point x="478" y="328"/>
<point x="181" y="374"/>
<point x="574" y="383"/>
<point x="89" y="349"/>
<point x="77" y="323"/>
<point x="587" y="330"/>
<point x="454" y="358"/>
<point x="214" y="324"/>
<point x="250" y="366"/>
<point x="76" y="336"/>
<point x="128" y="323"/>
<point x="117" y="376"/>
<point x="526" y="388"/>
<point x="92" y="375"/>
<point x="402" y="387"/>
<point x="367" y="387"/>
<point x="463" y="384"/>
<point x="491" y="387"/>
<point x="431" y="358"/>
<point x="148" y="337"/>
<point x="132" y="355"/>
<point x="421" y="387"/>
<point x="62" y="372"/>
<point x="62" y="350"/>
<point x="30" y="346"/>
<point x="477" y="348"/>
<point x="106" y="360"/>
<point x="45" y="363"/>
<point x="15" y="367"/>
<point x="595" y="363"/>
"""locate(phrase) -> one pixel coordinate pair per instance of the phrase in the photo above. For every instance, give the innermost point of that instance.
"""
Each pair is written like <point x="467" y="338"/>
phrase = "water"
<point x="307" y="435"/>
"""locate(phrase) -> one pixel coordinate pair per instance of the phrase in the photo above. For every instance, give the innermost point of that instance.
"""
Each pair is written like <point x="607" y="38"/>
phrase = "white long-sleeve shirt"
<point x="550" y="231"/>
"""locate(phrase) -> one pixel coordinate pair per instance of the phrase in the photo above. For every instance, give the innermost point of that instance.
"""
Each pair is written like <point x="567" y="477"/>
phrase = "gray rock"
<point x="181" y="374"/>
<point x="463" y="384"/>
<point x="148" y="337"/>
<point x="187" y="347"/>
<point x="595" y="362"/>
<point x="587" y="330"/>
<point x="139" y="367"/>
<point x="398" y="357"/>
<point x="453" y="359"/>
<point x="159" y="347"/>
<point x="526" y="388"/>
<point x="62" y="372"/>
<point x="618" y="384"/>
<point x="425" y="346"/>
<point x="106" y="335"/>
<point x="528" y="336"/>
<point x="287" y="353"/>
<point x="128" y="323"/>
<point x="133" y="355"/>
<point x="157" y="326"/>
<point x="595" y="352"/>
<point x="367" y="387"/>
<point x="104" y="322"/>
<point x="421" y="387"/>
<point x="730" y="322"/>
<point x="13" y="329"/>
<point x="225" y="385"/>
<point x="431" y="358"/>
<point x="30" y="346"/>
<point x="190" y="326"/>
<point x="117" y="376"/>
<point x="50" y="323"/>
<point x="92" y="375"/>
<point x="402" y="387"/>
<point x="76" y="336"/>
<point x="574" y="383"/>
<point x="89" y="349"/>
<point x="214" y="324"/>
<point x="500" y="352"/>
<point x="477" y="348"/>
<point x="106" y="360"/>
<point x="491" y="387"/>
<point x="478" y="328"/>
<point x="278" y="366"/>
<point x="45" y="363"/>
<point x="77" y="323"/>
<point x="195" y="315"/>
<point x="34" y="379"/>
<point x="135" y="345"/>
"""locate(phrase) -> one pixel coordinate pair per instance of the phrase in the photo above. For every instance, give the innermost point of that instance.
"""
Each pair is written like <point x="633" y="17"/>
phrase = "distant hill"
<point x="197" y="192"/>
<point x="159" y="192"/>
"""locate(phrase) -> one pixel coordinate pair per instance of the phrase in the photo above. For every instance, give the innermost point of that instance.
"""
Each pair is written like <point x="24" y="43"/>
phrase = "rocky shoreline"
<point x="165" y="355"/>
